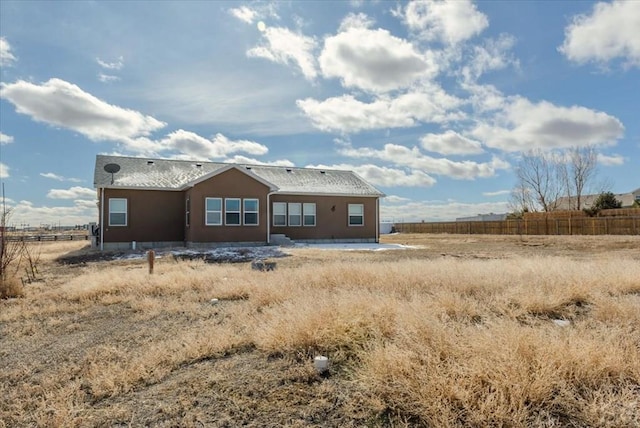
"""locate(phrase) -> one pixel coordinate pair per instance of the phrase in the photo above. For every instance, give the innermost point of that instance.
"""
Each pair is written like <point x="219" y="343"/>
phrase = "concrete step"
<point x="281" y="240"/>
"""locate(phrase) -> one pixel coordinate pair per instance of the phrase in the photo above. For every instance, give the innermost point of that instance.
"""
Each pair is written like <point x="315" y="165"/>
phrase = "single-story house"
<point x="162" y="202"/>
<point x="587" y="201"/>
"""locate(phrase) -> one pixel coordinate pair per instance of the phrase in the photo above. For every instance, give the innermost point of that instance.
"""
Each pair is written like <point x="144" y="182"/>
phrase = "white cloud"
<point x="395" y="199"/>
<point x="523" y="125"/>
<point x="355" y="20"/>
<point x="494" y="54"/>
<point x="385" y="176"/>
<point x="115" y="65"/>
<point x="194" y="145"/>
<point x="450" y="143"/>
<point x="609" y="32"/>
<point x="243" y="13"/>
<point x="6" y="56"/>
<point x="106" y="78"/>
<point x="610" y="160"/>
<point x="4" y="171"/>
<point x="61" y="103"/>
<point x="413" y="158"/>
<point x="282" y="46"/>
<point x="74" y="192"/>
<point x="450" y="22"/>
<point x="57" y="177"/>
<point x="497" y="193"/>
<point x="250" y="161"/>
<point x="5" y="139"/>
<point x="347" y="114"/>
<point x="82" y="212"/>
<point x="416" y="211"/>
<point x="373" y="60"/>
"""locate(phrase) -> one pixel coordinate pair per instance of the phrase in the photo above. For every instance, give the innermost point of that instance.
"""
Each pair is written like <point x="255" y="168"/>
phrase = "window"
<point x="295" y="214"/>
<point x="309" y="214"/>
<point x="232" y="211"/>
<point x="117" y="212"/>
<point x="279" y="214"/>
<point x="213" y="211"/>
<point x="250" y="212"/>
<point x="356" y="214"/>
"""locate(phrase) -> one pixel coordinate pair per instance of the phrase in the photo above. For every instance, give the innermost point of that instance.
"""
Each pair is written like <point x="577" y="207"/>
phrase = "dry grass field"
<point x="457" y="331"/>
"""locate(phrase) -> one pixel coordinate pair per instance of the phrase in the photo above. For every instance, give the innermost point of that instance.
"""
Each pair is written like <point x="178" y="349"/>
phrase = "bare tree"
<point x="11" y="253"/>
<point x="579" y="171"/>
<point x="540" y="180"/>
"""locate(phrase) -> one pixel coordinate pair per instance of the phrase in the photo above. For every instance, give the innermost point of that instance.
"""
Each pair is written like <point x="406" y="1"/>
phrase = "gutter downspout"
<point x="269" y="216"/>
<point x="101" y="217"/>
<point x="377" y="220"/>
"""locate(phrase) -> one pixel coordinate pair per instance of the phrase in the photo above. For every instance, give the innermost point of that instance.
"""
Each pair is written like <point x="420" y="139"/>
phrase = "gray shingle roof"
<point x="167" y="174"/>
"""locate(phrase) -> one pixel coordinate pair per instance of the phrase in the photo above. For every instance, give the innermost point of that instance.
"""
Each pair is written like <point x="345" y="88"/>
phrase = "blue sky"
<point x="432" y="102"/>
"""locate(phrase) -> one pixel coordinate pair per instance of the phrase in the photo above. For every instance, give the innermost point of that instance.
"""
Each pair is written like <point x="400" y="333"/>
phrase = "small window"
<point x="117" y="212"/>
<point x="295" y="214"/>
<point x="213" y="212"/>
<point x="232" y="212"/>
<point x="279" y="213"/>
<point x="309" y="214"/>
<point x="250" y="212"/>
<point x="356" y="214"/>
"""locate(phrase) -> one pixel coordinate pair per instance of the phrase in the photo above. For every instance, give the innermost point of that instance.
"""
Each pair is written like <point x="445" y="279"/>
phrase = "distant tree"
<point x="578" y="171"/>
<point x="636" y="204"/>
<point x="540" y="181"/>
<point x="606" y="201"/>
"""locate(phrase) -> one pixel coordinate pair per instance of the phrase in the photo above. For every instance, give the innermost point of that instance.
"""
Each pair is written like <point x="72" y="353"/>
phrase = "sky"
<point x="432" y="102"/>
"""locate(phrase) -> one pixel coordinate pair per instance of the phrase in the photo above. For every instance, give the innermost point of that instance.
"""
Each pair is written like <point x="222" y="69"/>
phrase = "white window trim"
<point x="126" y="214"/>
<point x="239" y="212"/>
<point x="305" y="214"/>
<point x="289" y="214"/>
<point x="206" y="222"/>
<point x="359" y="215"/>
<point x="256" y="212"/>
<point x="284" y="204"/>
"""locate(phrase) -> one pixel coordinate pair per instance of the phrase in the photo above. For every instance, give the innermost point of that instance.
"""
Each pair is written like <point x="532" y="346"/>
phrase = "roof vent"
<point x="149" y="162"/>
<point x="323" y="172"/>
<point x="198" y="165"/>
<point x="288" y="169"/>
<point x="248" y="167"/>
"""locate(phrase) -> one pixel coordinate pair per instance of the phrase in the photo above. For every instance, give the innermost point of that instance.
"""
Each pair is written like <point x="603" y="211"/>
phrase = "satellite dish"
<point x="112" y="168"/>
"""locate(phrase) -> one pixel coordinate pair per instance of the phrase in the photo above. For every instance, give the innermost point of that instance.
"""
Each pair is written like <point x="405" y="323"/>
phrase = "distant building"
<point x="586" y="201"/>
<point x="484" y="217"/>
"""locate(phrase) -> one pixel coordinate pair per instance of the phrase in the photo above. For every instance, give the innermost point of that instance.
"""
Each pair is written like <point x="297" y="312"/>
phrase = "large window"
<point x="309" y="214"/>
<point x="232" y="211"/>
<point x="295" y="214"/>
<point x="356" y="214"/>
<point x="250" y="207"/>
<point x="213" y="212"/>
<point x="117" y="212"/>
<point x="279" y="213"/>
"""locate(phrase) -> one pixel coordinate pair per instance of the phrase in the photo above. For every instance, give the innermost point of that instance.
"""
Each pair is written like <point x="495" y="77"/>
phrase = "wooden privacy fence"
<point x="567" y="226"/>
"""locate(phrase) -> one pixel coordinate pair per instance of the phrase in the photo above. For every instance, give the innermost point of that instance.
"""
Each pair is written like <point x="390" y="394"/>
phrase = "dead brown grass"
<point x="415" y="338"/>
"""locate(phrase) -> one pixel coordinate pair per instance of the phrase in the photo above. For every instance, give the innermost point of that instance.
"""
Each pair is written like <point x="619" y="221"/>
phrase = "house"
<point x="159" y="202"/>
<point x="484" y="217"/>
<point x="586" y="201"/>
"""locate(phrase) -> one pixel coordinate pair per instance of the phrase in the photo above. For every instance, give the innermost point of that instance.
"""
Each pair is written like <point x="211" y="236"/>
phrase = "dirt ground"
<point x="236" y="388"/>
